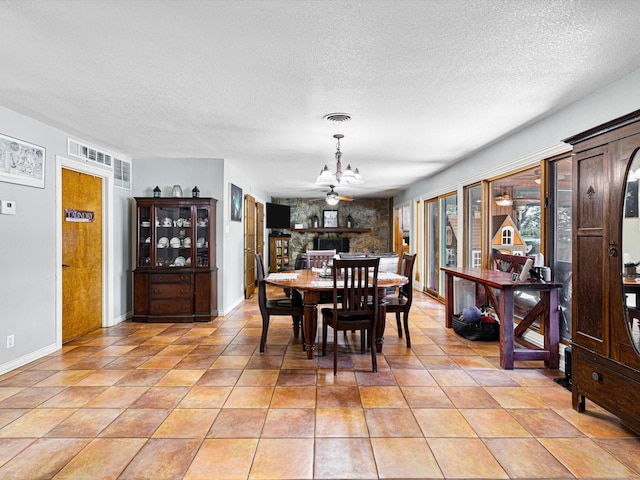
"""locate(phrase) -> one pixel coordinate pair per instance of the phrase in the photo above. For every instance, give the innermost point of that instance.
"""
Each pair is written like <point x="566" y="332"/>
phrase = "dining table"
<point x="311" y="282"/>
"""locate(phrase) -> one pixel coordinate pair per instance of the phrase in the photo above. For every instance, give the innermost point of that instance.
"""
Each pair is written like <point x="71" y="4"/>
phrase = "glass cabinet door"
<point x="203" y="230"/>
<point x="144" y="236"/>
<point x="173" y="236"/>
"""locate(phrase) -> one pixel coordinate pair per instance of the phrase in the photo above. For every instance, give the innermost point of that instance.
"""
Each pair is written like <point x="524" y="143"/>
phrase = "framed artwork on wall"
<point x="21" y="162"/>
<point x="330" y="218"/>
<point x="236" y="203"/>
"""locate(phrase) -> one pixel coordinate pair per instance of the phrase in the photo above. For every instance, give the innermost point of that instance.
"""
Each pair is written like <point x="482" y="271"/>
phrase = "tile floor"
<point x="173" y="401"/>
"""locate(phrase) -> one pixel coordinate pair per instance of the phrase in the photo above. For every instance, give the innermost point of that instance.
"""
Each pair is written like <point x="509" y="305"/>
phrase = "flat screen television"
<point x="278" y="216"/>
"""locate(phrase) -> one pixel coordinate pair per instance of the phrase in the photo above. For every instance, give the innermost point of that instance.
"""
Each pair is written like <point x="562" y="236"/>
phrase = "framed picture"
<point x="236" y="203"/>
<point x="330" y="218"/>
<point x="21" y="162"/>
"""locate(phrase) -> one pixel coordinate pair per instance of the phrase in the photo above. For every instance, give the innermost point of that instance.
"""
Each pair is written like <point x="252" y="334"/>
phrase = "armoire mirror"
<point x="631" y="253"/>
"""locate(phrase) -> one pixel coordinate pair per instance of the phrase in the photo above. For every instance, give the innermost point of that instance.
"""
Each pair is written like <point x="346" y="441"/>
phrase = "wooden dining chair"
<point x="355" y="304"/>
<point x="319" y="258"/>
<point x="401" y="303"/>
<point x="276" y="306"/>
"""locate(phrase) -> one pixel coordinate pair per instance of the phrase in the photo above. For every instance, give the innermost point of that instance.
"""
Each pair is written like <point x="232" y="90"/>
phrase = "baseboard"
<point x="231" y="308"/>
<point x="121" y="318"/>
<point x="30" y="357"/>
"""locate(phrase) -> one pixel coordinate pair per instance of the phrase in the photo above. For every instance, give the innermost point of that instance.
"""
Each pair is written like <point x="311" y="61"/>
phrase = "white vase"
<point x="176" y="191"/>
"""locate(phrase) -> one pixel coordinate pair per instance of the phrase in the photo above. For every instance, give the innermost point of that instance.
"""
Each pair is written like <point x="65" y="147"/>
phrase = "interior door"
<point x="397" y="231"/>
<point x="249" y="246"/>
<point x="81" y="253"/>
<point x="260" y="229"/>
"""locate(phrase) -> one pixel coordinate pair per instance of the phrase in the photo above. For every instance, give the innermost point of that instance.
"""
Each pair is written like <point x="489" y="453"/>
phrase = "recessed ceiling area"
<point x="426" y="83"/>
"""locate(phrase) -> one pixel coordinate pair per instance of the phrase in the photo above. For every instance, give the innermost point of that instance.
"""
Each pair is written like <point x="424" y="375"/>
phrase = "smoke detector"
<point x="337" y="117"/>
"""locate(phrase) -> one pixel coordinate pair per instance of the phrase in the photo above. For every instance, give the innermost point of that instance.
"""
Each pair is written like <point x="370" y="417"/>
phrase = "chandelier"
<point x="338" y="177"/>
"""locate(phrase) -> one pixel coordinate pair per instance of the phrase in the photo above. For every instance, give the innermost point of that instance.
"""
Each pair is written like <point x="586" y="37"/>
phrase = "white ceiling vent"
<point x="337" y="117"/>
<point x="121" y="167"/>
<point x="122" y="173"/>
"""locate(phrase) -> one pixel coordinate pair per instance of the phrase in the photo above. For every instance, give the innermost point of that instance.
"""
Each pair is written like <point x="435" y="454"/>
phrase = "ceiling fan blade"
<point x="345" y="198"/>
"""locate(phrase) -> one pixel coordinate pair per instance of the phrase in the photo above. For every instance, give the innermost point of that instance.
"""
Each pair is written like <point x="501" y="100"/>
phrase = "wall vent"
<point x="122" y="173"/>
<point x="121" y="167"/>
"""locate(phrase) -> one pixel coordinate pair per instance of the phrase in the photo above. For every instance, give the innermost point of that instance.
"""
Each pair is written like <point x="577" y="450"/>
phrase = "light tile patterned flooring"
<point x="172" y="401"/>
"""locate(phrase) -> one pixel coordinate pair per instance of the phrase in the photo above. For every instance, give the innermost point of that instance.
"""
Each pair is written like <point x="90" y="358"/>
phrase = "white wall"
<point x="27" y="247"/>
<point x="28" y="269"/>
<point x="233" y="233"/>
<point x="612" y="101"/>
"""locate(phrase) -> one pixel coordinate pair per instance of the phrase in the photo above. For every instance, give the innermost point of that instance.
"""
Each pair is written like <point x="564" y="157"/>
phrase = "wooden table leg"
<point x="552" y="330"/>
<point x="310" y="322"/>
<point x="505" y="314"/>
<point x="448" y="294"/>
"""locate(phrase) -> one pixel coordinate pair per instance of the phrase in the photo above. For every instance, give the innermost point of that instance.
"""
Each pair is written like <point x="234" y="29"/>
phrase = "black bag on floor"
<point x="484" y="331"/>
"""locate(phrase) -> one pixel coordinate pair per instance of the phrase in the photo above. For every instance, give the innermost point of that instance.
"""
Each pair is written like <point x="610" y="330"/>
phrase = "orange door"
<point x="81" y="253"/>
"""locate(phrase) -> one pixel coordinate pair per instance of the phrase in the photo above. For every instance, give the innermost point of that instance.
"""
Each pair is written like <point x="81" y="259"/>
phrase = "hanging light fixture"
<point x="338" y="177"/>
<point x="504" y="200"/>
<point x="332" y="197"/>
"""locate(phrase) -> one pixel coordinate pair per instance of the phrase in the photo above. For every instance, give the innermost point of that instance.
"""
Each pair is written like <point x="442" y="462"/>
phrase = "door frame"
<point x="107" y="244"/>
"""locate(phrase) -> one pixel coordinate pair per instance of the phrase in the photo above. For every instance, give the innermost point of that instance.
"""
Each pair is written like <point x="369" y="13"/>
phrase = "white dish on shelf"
<point x="167" y="222"/>
<point x="147" y="240"/>
<point x="188" y="262"/>
<point x="187" y="223"/>
<point x="180" y="222"/>
<point x="163" y="242"/>
<point x="186" y="242"/>
<point x="200" y="242"/>
<point x="145" y="224"/>
<point x="174" y="242"/>
<point x="179" y="261"/>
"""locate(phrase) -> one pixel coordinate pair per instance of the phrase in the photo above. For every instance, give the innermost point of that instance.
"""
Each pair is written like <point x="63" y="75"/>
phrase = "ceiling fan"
<point x="332" y="197"/>
<point x="522" y="200"/>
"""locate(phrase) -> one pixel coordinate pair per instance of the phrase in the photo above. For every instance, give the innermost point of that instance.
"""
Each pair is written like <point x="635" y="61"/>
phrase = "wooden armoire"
<point x="605" y="357"/>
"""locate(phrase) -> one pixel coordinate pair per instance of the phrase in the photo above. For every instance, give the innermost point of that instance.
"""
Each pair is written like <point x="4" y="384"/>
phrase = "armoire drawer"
<point x="171" y="307"/>
<point x="596" y="377"/>
<point x="168" y="290"/>
<point x="184" y="278"/>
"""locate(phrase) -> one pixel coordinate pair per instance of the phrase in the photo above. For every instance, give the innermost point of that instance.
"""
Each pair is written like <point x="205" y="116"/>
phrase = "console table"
<point x="546" y="309"/>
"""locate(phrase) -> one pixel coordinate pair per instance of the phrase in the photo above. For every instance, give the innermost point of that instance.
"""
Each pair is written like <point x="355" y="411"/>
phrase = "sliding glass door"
<point x="441" y="234"/>
<point x="432" y="258"/>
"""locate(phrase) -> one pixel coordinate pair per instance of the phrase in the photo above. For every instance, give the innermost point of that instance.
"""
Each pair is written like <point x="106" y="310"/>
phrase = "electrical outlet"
<point x="10" y="341"/>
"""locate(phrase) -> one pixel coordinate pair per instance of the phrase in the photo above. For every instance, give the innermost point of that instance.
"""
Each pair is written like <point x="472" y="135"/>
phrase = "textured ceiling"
<point x="426" y="82"/>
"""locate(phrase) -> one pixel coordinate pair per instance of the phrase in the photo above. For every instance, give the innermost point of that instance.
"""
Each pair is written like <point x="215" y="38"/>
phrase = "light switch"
<point x="7" y="207"/>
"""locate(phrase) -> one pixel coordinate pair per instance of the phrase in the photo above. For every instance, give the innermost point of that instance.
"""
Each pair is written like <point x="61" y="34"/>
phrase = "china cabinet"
<point x="279" y="253"/>
<point x="606" y="284"/>
<point x="175" y="278"/>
